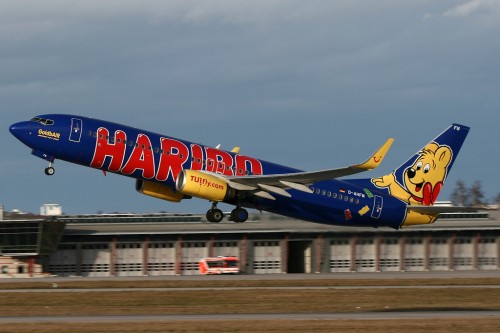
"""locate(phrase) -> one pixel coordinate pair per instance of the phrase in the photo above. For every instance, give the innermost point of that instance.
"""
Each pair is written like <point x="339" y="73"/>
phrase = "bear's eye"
<point x="419" y="166"/>
<point x="427" y="167"/>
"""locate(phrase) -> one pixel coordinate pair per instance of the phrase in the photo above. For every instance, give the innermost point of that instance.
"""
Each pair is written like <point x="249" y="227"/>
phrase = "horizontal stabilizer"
<point x="434" y="210"/>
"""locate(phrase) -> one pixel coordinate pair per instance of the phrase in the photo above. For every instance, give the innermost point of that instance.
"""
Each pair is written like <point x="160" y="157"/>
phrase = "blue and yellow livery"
<point x="173" y="169"/>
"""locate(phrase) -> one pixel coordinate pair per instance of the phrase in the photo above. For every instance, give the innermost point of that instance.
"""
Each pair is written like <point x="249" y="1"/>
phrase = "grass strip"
<point x="487" y="325"/>
<point x="235" y="282"/>
<point x="247" y="301"/>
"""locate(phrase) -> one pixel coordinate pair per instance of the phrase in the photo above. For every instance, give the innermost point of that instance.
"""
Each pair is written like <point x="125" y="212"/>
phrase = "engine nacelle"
<point x="158" y="190"/>
<point x="202" y="185"/>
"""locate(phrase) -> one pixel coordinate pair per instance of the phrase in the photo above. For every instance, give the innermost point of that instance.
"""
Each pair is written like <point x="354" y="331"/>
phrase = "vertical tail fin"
<point x="420" y="179"/>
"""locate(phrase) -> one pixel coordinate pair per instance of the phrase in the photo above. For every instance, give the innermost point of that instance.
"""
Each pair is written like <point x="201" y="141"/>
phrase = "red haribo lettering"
<point x="196" y="157"/>
<point x="115" y="151"/>
<point x="141" y="158"/>
<point x="219" y="161"/>
<point x="250" y="164"/>
<point x="175" y="154"/>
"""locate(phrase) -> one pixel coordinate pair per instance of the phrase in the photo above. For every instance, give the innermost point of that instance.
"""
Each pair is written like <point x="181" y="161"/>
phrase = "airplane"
<point x="172" y="169"/>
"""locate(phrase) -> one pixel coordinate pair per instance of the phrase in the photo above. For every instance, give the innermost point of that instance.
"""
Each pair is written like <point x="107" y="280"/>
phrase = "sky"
<point x="308" y="84"/>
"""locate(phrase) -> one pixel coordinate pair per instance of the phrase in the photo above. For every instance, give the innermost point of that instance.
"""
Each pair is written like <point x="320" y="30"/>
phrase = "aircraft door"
<point x="76" y="130"/>
<point x="378" y="203"/>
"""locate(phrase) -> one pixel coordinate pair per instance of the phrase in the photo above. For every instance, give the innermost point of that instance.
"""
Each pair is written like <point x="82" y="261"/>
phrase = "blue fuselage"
<point x="159" y="158"/>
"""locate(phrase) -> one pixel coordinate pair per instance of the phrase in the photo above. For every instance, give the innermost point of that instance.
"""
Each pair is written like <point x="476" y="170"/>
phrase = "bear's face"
<point x="428" y="170"/>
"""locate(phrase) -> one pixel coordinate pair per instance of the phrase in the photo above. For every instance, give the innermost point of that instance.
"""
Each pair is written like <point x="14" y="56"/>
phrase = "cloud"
<point x="473" y="7"/>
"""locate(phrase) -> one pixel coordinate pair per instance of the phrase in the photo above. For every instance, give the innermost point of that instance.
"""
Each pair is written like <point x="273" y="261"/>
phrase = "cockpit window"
<point x="43" y="121"/>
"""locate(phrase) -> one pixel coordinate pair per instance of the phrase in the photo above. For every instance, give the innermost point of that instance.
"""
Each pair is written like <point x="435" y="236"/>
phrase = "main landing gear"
<point x="216" y="215"/>
<point x="49" y="171"/>
<point x="239" y="215"/>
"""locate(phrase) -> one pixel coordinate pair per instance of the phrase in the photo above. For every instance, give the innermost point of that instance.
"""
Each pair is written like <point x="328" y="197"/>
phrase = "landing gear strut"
<point x="214" y="214"/>
<point x="49" y="171"/>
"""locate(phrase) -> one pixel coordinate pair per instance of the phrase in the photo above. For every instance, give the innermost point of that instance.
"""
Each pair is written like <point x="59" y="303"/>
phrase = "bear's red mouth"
<point x="418" y="187"/>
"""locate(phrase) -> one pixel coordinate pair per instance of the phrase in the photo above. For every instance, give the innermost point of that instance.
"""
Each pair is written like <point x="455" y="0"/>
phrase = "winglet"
<point x="377" y="157"/>
<point x="235" y="150"/>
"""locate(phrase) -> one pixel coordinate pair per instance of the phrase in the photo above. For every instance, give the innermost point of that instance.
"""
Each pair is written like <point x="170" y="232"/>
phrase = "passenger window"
<point x="323" y="192"/>
<point x="329" y="194"/>
<point x="334" y="195"/>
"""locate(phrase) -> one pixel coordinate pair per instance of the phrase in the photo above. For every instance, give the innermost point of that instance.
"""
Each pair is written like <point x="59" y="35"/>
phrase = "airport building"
<point x="172" y="244"/>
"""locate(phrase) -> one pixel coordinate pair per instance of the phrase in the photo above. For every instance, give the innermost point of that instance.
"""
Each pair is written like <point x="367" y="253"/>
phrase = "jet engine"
<point x="202" y="185"/>
<point x="158" y="190"/>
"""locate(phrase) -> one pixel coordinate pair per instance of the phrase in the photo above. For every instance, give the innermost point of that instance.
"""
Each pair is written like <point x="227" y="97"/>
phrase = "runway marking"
<point x="261" y="316"/>
<point x="85" y="290"/>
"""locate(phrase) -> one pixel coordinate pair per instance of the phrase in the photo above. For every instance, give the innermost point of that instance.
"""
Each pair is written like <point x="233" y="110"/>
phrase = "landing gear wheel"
<point x="239" y="215"/>
<point x="215" y="215"/>
<point x="49" y="171"/>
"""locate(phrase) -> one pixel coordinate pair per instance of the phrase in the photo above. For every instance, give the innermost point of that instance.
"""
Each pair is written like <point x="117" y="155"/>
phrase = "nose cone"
<point x="22" y="131"/>
<point x="16" y="129"/>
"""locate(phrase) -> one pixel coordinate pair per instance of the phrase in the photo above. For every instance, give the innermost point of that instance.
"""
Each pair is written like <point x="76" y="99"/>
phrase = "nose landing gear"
<point x="49" y="171"/>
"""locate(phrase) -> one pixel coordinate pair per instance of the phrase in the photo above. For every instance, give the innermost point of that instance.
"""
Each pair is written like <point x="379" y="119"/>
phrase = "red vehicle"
<point x="219" y="265"/>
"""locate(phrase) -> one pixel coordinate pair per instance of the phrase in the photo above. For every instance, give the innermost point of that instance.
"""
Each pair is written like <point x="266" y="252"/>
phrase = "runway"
<point x="260" y="316"/>
<point x="426" y="275"/>
<point x="353" y="311"/>
<point x="174" y="289"/>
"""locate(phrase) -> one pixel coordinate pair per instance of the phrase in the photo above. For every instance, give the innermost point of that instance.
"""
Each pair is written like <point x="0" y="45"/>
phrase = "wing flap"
<point x="296" y="186"/>
<point x="274" y="189"/>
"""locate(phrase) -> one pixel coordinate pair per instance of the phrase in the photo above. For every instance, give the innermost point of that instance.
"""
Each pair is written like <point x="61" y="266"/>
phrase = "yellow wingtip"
<point x="377" y="157"/>
<point x="235" y="150"/>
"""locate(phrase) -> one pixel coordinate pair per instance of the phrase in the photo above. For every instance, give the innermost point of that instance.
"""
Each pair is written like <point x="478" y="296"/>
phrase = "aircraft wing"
<point x="262" y="185"/>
